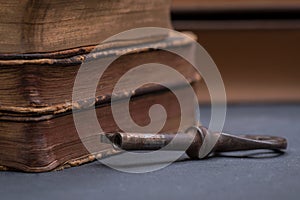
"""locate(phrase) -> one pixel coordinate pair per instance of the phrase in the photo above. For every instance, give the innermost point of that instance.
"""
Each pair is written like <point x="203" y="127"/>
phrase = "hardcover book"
<point x="39" y="62"/>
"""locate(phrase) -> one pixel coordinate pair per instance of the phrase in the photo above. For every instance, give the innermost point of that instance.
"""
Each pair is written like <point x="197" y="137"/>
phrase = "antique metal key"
<point x="196" y="135"/>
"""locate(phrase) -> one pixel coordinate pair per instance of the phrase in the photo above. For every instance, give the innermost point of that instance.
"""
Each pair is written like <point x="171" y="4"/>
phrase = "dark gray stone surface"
<point x="233" y="176"/>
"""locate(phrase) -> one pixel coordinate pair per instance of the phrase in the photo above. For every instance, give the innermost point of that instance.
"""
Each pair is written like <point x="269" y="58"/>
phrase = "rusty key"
<point x="195" y="136"/>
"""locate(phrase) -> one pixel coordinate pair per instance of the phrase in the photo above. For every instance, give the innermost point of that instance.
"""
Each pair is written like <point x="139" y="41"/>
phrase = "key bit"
<point x="225" y="143"/>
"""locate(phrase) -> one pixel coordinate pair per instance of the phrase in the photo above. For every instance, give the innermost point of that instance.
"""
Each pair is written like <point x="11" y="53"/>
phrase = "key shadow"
<point x="257" y="154"/>
<point x="251" y="154"/>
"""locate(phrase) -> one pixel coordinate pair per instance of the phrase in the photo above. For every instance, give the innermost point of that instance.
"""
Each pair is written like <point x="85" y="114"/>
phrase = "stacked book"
<point x="42" y="46"/>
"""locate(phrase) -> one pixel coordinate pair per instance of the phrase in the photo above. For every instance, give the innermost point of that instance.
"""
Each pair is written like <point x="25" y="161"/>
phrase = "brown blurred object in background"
<point x="255" y="44"/>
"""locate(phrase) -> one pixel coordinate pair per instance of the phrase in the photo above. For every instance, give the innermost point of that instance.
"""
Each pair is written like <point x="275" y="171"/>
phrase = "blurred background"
<point x="255" y="44"/>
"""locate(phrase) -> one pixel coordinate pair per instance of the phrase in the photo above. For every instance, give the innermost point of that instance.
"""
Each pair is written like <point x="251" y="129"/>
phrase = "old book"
<point x="36" y="105"/>
<point x="52" y="25"/>
<point x="41" y="145"/>
<point x="37" y="128"/>
<point x="33" y="82"/>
